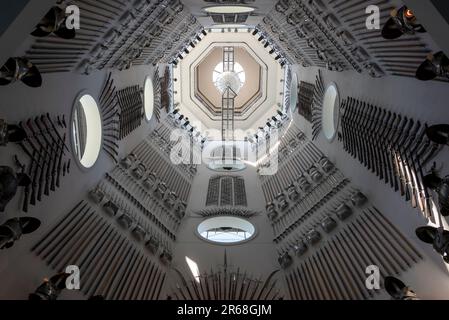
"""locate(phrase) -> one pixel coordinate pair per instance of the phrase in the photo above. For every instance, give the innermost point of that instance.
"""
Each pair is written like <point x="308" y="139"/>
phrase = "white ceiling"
<point x="272" y="84"/>
<point x="262" y="8"/>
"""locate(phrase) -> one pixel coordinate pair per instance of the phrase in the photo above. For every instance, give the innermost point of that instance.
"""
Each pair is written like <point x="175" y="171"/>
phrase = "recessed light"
<point x="229" y="9"/>
<point x="229" y="26"/>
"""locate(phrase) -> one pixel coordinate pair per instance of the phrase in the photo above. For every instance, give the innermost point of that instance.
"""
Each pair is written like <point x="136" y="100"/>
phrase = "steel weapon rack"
<point x="48" y="156"/>
<point x="131" y="109"/>
<point x="392" y="146"/>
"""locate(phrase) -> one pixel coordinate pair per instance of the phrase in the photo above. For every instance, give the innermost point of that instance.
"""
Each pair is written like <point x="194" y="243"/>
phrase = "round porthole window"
<point x="294" y="93"/>
<point x="331" y="112"/>
<point x="220" y="165"/>
<point x="148" y="98"/>
<point x="226" y="230"/>
<point x="86" y="131"/>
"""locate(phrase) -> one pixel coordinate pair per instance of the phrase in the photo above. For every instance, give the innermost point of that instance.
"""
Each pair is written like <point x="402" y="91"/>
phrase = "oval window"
<point x="330" y="112"/>
<point x="148" y="98"/>
<point x="294" y="93"/>
<point x="86" y="131"/>
<point x="220" y="165"/>
<point x="226" y="230"/>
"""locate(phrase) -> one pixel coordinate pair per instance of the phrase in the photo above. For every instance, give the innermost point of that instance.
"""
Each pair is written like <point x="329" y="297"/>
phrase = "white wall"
<point x="21" y="272"/>
<point x="425" y="101"/>
<point x="257" y="256"/>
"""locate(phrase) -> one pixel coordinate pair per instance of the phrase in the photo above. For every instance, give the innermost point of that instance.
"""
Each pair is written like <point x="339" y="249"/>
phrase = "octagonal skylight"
<point x="232" y="79"/>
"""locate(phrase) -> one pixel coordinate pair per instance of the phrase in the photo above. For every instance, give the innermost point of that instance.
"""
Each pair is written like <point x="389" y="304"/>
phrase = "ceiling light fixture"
<point x="229" y="26"/>
<point x="229" y="9"/>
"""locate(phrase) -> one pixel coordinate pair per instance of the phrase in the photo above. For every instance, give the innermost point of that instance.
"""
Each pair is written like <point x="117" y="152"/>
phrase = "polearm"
<point x="51" y="158"/>
<point x="375" y="132"/>
<point x="106" y="87"/>
<point x="59" y="150"/>
<point x="382" y="127"/>
<point x="403" y="149"/>
<point x="95" y="264"/>
<point x="415" y="162"/>
<point x="32" y="155"/>
<point x="39" y="163"/>
<point x="373" y="128"/>
<point x="42" y="173"/>
<point x="396" y="135"/>
<point x="361" y="130"/>
<point x="56" y="131"/>
<point x="59" y="168"/>
<point x="399" y="158"/>
<point x="352" y="120"/>
<point x="27" y="151"/>
<point x="392" y="124"/>
<point x="27" y="189"/>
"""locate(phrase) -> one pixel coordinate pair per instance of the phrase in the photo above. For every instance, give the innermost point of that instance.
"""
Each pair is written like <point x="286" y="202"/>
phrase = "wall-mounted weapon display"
<point x="176" y="120"/>
<point x="325" y="34"/>
<point x="166" y="89"/>
<point x="20" y="69"/>
<point x="402" y="22"/>
<point x="51" y="288"/>
<point x="130" y="102"/>
<point x="334" y="269"/>
<point x="10" y="181"/>
<point x="317" y="105"/>
<point x="228" y="211"/>
<point x="226" y="191"/>
<point x="394" y="147"/>
<point x="157" y="92"/>
<point x="305" y="99"/>
<point x="291" y="217"/>
<point x="48" y="154"/>
<point x="115" y="265"/>
<point x="146" y="201"/>
<point x="10" y="133"/>
<point x="436" y="65"/>
<point x="151" y="153"/>
<point x="54" y="22"/>
<point x="398" y="290"/>
<point x="110" y="115"/>
<point x="322" y="224"/>
<point x="13" y="229"/>
<point x="293" y="169"/>
<point x="225" y="282"/>
<point x="116" y="35"/>
<point x="291" y="143"/>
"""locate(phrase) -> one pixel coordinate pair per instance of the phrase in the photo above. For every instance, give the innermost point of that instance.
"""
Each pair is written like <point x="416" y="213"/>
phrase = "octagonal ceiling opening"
<point x="260" y="77"/>
<point x="248" y="93"/>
